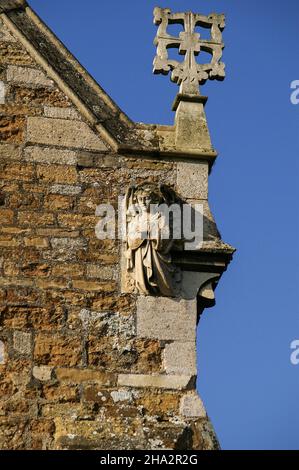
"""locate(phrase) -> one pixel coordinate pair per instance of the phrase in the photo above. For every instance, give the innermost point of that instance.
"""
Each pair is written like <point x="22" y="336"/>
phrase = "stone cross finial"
<point x="189" y="74"/>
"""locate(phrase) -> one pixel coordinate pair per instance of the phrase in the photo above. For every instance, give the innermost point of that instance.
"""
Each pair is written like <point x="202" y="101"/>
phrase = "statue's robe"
<point x="148" y="255"/>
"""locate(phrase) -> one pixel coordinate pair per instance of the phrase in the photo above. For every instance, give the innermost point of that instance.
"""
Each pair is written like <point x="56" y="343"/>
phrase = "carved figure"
<point x="148" y="252"/>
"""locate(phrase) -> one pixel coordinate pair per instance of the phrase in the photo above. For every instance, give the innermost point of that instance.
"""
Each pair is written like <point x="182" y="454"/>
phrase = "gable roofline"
<point x="102" y="113"/>
<point x="7" y="5"/>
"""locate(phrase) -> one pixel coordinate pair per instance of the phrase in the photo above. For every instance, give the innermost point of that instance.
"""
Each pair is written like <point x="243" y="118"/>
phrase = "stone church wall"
<point x="80" y="366"/>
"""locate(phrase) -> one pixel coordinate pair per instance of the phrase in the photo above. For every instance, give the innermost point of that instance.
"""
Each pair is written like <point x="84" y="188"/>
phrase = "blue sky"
<point x="246" y="379"/>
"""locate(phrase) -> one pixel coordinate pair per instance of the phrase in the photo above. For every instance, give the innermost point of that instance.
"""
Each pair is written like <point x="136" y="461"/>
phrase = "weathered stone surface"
<point x="53" y="202"/>
<point x="48" y="318"/>
<point x="166" y="319"/>
<point x="16" y="171"/>
<point x="52" y="283"/>
<point x="61" y="113"/>
<point x="65" y="189"/>
<point x="42" y="373"/>
<point x="37" y="242"/>
<point x="121" y="395"/>
<point x="58" y="174"/>
<point x="175" y="382"/>
<point x="100" y="272"/>
<point x="125" y="354"/>
<point x="7" y="5"/>
<point x="10" y="152"/>
<point x="97" y="160"/>
<point x="2" y="353"/>
<point x="77" y="376"/>
<point x="14" y="53"/>
<point x="57" y="350"/>
<point x="159" y="402"/>
<point x="38" y="96"/>
<point x="6" y="216"/>
<point x="62" y="133"/>
<point x="94" y="286"/>
<point x="68" y="270"/>
<point x="34" y="219"/>
<point x="22" y="342"/>
<point x="12" y="129"/>
<point x="57" y="233"/>
<point x="19" y="110"/>
<point x="9" y="241"/>
<point x="27" y="75"/>
<point x="192" y="407"/>
<point x="49" y="155"/>
<point x="180" y="358"/>
<point x="5" y="34"/>
<point x="192" y="180"/>
<point x="61" y="393"/>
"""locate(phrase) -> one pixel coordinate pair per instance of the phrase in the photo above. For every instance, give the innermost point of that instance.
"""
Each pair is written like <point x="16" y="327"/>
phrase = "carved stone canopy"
<point x="189" y="74"/>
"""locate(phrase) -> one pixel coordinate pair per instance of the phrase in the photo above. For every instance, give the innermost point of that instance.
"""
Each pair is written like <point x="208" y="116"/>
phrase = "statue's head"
<point x="148" y="194"/>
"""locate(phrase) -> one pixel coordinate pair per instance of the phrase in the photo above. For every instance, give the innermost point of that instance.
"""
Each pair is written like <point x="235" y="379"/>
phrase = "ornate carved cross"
<point x="189" y="73"/>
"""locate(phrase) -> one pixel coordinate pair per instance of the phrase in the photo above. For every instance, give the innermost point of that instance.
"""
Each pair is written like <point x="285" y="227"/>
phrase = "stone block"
<point x="192" y="180"/>
<point x="10" y="152"/>
<point x="94" y="286"/>
<point x="6" y="216"/>
<point x="166" y="319"/>
<point x="16" y="172"/>
<point x="14" y="53"/>
<point x="8" y="241"/>
<point x="48" y="156"/>
<point x="42" y="373"/>
<point x="2" y="353"/>
<point x="172" y="382"/>
<point x="97" y="160"/>
<point x="57" y="350"/>
<point x="192" y="407"/>
<point x="61" y="113"/>
<point x="121" y="395"/>
<point x="34" y="219"/>
<point x="12" y="129"/>
<point x="5" y="34"/>
<point x="28" y="75"/>
<point x="52" y="284"/>
<point x="37" y="242"/>
<point x="56" y="202"/>
<point x="64" y="249"/>
<point x="180" y="358"/>
<point x="58" y="174"/>
<point x="28" y="96"/>
<point x="77" y="376"/>
<point x="68" y="270"/>
<point x="62" y="133"/>
<point x="22" y="342"/>
<point x="100" y="272"/>
<point x="66" y="190"/>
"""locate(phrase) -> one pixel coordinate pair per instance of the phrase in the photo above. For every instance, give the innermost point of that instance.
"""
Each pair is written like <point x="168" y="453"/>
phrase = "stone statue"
<point x="148" y="253"/>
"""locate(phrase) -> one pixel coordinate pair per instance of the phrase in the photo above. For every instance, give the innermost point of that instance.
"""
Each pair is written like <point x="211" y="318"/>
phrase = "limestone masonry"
<point x="85" y="361"/>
